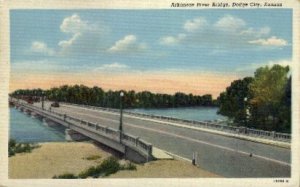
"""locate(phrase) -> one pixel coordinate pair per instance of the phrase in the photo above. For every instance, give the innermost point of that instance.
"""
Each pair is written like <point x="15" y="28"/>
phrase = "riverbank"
<point x="73" y="157"/>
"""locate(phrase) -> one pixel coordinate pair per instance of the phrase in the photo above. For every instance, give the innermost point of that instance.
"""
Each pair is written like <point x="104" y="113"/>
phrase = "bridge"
<point x="132" y="147"/>
<point x="224" y="150"/>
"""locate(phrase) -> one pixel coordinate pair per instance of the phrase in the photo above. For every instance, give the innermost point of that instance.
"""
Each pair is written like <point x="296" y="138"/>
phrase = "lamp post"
<point x="246" y="110"/>
<point x="43" y="100"/>
<point x="18" y="97"/>
<point x="121" y="115"/>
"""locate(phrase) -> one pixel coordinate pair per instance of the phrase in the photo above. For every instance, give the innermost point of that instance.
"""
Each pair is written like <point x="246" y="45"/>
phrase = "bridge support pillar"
<point x="72" y="135"/>
<point x="134" y="156"/>
<point x="49" y="123"/>
<point x="37" y="116"/>
<point x="26" y="111"/>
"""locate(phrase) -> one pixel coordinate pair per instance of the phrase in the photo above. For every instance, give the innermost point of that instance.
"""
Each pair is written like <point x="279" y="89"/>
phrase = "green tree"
<point x="269" y="90"/>
<point x="232" y="101"/>
<point x="96" y="96"/>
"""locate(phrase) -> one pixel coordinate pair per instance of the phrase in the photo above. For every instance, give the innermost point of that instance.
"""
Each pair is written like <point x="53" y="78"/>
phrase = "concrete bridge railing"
<point x="276" y="136"/>
<point x="131" y="141"/>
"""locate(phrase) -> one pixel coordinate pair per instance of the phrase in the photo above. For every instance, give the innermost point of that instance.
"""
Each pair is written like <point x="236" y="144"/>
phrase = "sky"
<point x="163" y="51"/>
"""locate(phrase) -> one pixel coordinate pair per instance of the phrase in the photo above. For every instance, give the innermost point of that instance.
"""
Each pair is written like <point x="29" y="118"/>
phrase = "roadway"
<point x="225" y="156"/>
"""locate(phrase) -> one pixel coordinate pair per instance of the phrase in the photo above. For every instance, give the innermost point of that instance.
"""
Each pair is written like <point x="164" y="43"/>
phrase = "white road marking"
<point x="186" y="138"/>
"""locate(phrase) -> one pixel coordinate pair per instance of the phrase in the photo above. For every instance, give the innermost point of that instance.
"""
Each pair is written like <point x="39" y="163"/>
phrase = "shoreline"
<point x="56" y="158"/>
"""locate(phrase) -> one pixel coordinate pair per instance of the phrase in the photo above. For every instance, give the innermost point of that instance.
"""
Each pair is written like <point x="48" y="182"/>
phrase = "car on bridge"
<point x="55" y="104"/>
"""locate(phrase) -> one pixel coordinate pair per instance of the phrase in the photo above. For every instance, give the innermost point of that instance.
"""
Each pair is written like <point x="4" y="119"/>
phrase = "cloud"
<point x="43" y="65"/>
<point x="42" y="48"/>
<point x="284" y="62"/>
<point x="171" y="40"/>
<point x="67" y="43"/>
<point x="195" y="24"/>
<point x="227" y="32"/>
<point x="256" y="32"/>
<point x="112" y="67"/>
<point x="128" y="44"/>
<point x="273" y="41"/>
<point x="73" y="24"/>
<point x="252" y="67"/>
<point x="86" y="37"/>
<point x="230" y="23"/>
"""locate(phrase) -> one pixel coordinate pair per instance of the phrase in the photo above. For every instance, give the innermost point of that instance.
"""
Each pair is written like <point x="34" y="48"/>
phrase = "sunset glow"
<point x="198" y="52"/>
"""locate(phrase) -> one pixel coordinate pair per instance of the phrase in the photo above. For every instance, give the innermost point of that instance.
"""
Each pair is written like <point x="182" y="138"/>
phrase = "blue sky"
<point x="230" y="43"/>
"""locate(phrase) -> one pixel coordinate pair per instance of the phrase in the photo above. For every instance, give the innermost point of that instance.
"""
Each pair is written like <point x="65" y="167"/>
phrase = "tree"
<point x="96" y="96"/>
<point x="269" y="89"/>
<point x="268" y="100"/>
<point x="285" y="115"/>
<point x="232" y="101"/>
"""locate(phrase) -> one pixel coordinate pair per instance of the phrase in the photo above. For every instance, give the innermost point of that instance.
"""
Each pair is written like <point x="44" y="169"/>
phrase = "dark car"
<point x="30" y="102"/>
<point x="55" y="104"/>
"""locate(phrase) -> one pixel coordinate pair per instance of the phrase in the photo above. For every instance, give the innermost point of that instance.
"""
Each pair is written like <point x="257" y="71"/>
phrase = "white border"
<point x="7" y="5"/>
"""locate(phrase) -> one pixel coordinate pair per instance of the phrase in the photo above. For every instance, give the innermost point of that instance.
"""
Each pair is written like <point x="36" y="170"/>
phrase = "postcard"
<point x="148" y="93"/>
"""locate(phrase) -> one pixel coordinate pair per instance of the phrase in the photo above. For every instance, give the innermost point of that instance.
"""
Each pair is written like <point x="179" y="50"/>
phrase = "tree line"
<point x="262" y="101"/>
<point x="96" y="96"/>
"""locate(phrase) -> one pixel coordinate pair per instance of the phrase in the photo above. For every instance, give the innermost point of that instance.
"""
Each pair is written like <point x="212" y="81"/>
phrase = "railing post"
<point x="65" y="116"/>
<point x="193" y="160"/>
<point x="149" y="151"/>
<point x="273" y="134"/>
<point x="120" y="136"/>
<point x="242" y="130"/>
<point x="136" y="141"/>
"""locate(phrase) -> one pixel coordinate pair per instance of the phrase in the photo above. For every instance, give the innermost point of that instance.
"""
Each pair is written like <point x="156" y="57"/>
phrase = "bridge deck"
<point x="222" y="155"/>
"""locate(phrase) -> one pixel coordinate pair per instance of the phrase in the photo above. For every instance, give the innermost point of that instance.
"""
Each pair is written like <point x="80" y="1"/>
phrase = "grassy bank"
<point x="75" y="158"/>
<point x="55" y="159"/>
<point x="15" y="147"/>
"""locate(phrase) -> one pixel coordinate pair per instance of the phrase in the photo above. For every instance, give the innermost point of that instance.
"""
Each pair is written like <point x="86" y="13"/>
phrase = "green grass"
<point x="109" y="166"/>
<point x="14" y="147"/>
<point x="129" y="166"/>
<point x="65" y="176"/>
<point x="93" y="157"/>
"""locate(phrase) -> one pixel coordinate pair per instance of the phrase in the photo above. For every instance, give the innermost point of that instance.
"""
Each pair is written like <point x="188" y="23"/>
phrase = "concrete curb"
<point x="160" y="154"/>
<point x="178" y="157"/>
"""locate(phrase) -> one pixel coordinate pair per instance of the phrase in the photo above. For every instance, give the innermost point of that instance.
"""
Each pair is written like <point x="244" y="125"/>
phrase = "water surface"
<point x="25" y="128"/>
<point x="188" y="113"/>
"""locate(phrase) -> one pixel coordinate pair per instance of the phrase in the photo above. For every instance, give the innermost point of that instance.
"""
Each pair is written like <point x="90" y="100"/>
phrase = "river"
<point x="188" y="113"/>
<point x="25" y="128"/>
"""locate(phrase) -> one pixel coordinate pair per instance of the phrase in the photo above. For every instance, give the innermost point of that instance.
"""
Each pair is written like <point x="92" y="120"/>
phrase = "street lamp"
<point x="18" y="97"/>
<point x="43" y="100"/>
<point x="247" y="113"/>
<point x="121" y="115"/>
